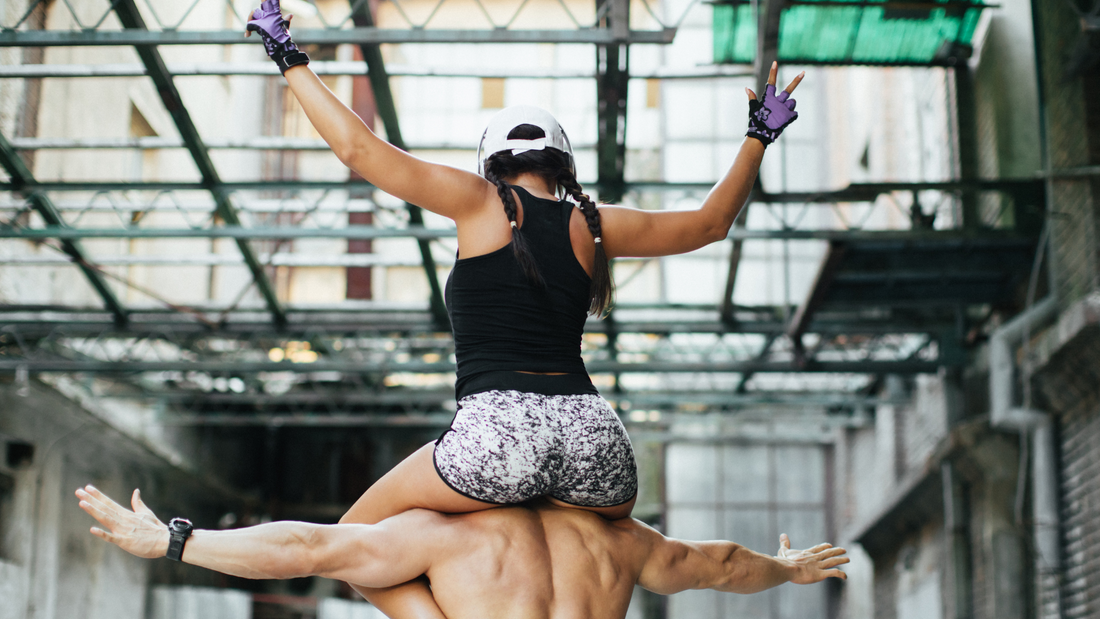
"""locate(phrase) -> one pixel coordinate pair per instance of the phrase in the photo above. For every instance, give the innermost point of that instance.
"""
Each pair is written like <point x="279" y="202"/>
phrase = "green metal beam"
<point x="878" y="4"/>
<point x="22" y="176"/>
<point x="387" y="111"/>
<point x="330" y="36"/>
<point x="131" y="19"/>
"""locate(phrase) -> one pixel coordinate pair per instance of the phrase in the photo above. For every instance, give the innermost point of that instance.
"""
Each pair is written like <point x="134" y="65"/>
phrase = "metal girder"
<point x="824" y="278"/>
<point x="856" y="192"/>
<point x="359" y="420"/>
<point x="388" y="320"/>
<point x="612" y="79"/>
<point x="329" y="36"/>
<point x="424" y="398"/>
<point x="654" y="430"/>
<point x="210" y="260"/>
<point x="767" y="50"/>
<point x="22" y="176"/>
<point x="767" y="40"/>
<point x="739" y="224"/>
<point x="763" y="354"/>
<point x="39" y="364"/>
<point x="387" y="111"/>
<point x="349" y="67"/>
<point x="131" y="19"/>
<point x="256" y="143"/>
<point x="424" y="234"/>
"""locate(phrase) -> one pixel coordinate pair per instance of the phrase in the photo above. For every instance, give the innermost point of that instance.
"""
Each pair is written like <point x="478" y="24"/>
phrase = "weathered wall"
<point x="50" y="566"/>
<point x="1072" y="135"/>
<point x="1068" y="385"/>
<point x="1069" y="371"/>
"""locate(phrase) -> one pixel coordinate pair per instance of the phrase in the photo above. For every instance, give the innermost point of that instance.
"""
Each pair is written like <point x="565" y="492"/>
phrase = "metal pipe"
<point x="1005" y="414"/>
<point x="1002" y="368"/>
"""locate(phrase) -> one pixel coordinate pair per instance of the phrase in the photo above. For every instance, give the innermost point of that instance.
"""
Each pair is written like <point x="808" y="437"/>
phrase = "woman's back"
<point x="502" y="320"/>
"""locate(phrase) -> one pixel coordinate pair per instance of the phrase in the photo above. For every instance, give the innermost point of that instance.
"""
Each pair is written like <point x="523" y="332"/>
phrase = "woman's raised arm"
<point x="441" y="189"/>
<point x="633" y="232"/>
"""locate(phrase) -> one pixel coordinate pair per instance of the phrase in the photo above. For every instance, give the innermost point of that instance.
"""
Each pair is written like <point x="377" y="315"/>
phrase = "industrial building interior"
<point x="896" y="350"/>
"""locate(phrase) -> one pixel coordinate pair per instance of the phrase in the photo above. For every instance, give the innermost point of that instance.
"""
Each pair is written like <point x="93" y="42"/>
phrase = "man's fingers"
<point x="836" y="574"/>
<point x="101" y="517"/>
<point x="99" y="496"/>
<point x="103" y="502"/>
<point x="784" y="541"/>
<point x="139" y="505"/>
<point x="820" y="547"/>
<point x="141" y="508"/>
<point x="101" y="534"/>
<point x="794" y="83"/>
<point x="773" y="73"/>
<point x="751" y="94"/>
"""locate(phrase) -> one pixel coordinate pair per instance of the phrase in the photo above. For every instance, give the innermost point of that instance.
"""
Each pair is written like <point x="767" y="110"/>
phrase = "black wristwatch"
<point x="179" y="529"/>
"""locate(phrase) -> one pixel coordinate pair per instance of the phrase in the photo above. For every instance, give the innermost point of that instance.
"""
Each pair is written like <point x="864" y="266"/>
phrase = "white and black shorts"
<point x="512" y="446"/>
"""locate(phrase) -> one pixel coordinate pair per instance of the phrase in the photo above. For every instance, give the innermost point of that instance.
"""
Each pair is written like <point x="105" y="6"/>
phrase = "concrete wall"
<point x="50" y="566"/>
<point x="1068" y="366"/>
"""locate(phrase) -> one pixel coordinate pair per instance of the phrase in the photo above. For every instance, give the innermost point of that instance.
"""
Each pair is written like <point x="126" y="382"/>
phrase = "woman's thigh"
<point x="412" y="484"/>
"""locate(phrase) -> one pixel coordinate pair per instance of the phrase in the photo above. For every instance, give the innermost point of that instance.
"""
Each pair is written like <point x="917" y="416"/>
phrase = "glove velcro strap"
<point x="292" y="59"/>
<point x="764" y="139"/>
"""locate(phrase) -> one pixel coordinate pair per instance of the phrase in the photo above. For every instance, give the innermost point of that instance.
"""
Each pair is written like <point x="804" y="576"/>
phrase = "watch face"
<point x="180" y="525"/>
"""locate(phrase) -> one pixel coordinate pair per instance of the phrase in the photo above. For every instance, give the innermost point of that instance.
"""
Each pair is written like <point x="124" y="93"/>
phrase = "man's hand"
<point x="813" y="565"/>
<point x="138" y="532"/>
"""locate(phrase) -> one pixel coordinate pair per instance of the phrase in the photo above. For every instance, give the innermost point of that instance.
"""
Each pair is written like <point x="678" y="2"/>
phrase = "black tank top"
<point x="502" y="322"/>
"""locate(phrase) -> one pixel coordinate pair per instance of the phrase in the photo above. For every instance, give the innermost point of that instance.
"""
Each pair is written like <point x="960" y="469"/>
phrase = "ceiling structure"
<point x="885" y="302"/>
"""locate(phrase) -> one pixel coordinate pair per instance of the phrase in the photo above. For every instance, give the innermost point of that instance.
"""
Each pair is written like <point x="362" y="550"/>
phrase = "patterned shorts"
<point x="511" y="446"/>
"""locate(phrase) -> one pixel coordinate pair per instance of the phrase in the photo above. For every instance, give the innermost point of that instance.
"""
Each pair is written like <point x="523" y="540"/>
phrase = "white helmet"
<point x="495" y="139"/>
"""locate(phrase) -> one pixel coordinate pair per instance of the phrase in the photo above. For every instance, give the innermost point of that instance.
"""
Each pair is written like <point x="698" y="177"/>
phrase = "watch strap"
<point x="179" y="529"/>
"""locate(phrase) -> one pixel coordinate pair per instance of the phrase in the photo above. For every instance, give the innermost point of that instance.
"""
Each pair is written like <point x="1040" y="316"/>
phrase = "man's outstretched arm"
<point x="674" y="565"/>
<point x="379" y="555"/>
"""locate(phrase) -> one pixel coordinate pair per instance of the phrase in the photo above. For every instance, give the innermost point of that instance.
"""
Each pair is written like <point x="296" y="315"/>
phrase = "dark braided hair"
<point x="554" y="166"/>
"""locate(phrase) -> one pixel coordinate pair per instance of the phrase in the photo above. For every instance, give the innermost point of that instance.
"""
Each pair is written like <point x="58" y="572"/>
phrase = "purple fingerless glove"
<point x="268" y="21"/>
<point x="769" y="117"/>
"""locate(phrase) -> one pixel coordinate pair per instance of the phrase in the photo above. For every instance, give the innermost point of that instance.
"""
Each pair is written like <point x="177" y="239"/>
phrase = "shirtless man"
<point x="539" y="562"/>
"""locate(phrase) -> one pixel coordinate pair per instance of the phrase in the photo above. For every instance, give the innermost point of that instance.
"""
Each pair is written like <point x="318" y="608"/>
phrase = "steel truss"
<point x="370" y="360"/>
<point x="402" y="365"/>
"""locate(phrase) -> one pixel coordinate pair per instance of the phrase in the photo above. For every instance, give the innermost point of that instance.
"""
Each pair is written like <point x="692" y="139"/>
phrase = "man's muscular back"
<point x="542" y="563"/>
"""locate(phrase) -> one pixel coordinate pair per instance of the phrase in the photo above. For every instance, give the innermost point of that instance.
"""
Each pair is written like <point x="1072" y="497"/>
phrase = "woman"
<point x="530" y="267"/>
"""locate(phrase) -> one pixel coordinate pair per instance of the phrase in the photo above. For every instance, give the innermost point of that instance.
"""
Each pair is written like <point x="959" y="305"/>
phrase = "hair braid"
<point x="519" y="244"/>
<point x="602" y="289"/>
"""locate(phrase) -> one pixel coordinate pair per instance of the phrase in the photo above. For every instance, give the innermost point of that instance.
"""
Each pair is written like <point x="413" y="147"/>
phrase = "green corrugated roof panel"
<point x="848" y="32"/>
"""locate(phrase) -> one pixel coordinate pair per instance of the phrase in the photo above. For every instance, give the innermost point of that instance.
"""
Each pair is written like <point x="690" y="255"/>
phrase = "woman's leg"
<point x="411" y="484"/>
<point x="613" y="512"/>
